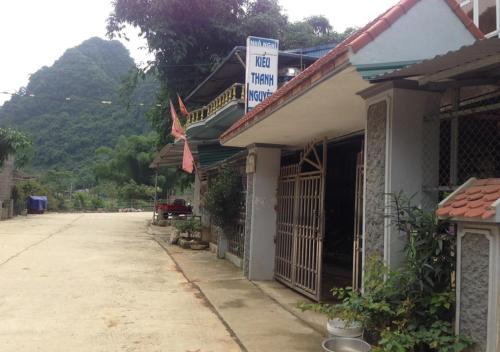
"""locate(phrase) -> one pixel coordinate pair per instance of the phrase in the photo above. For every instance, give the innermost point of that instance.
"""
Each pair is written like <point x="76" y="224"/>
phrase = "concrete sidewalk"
<point x="262" y="315"/>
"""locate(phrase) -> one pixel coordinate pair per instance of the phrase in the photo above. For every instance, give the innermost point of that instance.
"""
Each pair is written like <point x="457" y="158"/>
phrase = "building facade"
<point x="220" y="99"/>
<point x="326" y="156"/>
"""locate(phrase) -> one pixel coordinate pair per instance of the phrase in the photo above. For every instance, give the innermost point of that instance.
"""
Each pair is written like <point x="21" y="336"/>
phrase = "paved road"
<point x="97" y="282"/>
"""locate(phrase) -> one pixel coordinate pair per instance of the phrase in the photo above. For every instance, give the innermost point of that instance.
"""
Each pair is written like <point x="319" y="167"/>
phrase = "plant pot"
<point x="345" y="344"/>
<point x="184" y="243"/>
<point x="339" y="328"/>
<point x="199" y="246"/>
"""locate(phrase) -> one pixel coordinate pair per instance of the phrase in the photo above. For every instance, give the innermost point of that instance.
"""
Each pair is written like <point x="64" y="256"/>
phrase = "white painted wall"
<point x="404" y="164"/>
<point x="429" y="28"/>
<point x="263" y="222"/>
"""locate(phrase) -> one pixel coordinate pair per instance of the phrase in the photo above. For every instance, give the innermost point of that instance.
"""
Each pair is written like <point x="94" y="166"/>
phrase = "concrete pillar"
<point x="396" y="147"/>
<point x="478" y="285"/>
<point x="407" y="140"/>
<point x="222" y="243"/>
<point x="260" y="229"/>
<point x="196" y="195"/>
<point x="11" y="208"/>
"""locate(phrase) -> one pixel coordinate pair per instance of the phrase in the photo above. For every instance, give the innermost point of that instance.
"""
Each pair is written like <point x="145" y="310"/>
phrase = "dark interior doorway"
<point x="340" y="198"/>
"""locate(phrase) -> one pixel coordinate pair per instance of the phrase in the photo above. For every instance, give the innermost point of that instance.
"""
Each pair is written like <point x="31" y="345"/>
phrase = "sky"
<point x="35" y="33"/>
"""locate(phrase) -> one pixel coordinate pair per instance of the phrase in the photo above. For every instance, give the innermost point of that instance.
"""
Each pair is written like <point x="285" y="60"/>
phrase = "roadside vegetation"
<point x="15" y="143"/>
<point x="411" y="308"/>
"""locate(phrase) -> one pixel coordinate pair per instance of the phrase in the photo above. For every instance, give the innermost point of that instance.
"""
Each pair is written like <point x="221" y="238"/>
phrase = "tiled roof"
<point x="474" y="200"/>
<point x="336" y="57"/>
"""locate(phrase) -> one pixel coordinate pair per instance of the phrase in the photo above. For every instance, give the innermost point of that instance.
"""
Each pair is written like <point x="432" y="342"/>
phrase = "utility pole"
<point x="156" y="194"/>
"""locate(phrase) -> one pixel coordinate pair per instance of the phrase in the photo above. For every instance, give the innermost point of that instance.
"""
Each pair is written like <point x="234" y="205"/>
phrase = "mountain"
<point x="66" y="107"/>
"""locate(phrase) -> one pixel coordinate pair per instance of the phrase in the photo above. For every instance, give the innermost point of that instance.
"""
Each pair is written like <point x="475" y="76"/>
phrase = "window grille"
<point x="237" y="236"/>
<point x="459" y="147"/>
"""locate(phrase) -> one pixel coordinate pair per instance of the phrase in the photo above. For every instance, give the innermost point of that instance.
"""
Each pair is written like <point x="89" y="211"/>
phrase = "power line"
<point x="103" y="101"/>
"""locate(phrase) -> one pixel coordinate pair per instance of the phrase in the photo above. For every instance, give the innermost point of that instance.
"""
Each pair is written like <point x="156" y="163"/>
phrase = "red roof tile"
<point x="336" y="57"/>
<point x="491" y="197"/>
<point x="487" y="214"/>
<point x="477" y="203"/>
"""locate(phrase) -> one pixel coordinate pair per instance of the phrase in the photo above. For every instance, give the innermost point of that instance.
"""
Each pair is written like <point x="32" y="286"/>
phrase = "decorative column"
<point x="395" y="143"/>
<point x="474" y="208"/>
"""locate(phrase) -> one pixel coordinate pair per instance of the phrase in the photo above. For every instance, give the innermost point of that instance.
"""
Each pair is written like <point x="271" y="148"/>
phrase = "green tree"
<point x="128" y="160"/>
<point x="132" y="190"/>
<point x="189" y="37"/>
<point x="124" y="172"/>
<point x="59" y="181"/>
<point x="320" y="24"/>
<point x="224" y="196"/>
<point x="14" y="143"/>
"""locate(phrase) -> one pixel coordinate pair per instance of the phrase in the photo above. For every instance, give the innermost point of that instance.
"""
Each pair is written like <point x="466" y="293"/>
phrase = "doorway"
<point x="318" y="218"/>
<point x="343" y="216"/>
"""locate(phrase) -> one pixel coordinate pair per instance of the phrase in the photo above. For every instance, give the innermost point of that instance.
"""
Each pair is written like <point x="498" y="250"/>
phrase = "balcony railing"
<point x="234" y="93"/>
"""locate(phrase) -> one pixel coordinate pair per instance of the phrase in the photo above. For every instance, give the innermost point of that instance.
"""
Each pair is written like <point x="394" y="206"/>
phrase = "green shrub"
<point x="224" y="197"/>
<point x="189" y="226"/>
<point x="86" y="201"/>
<point x="409" y="309"/>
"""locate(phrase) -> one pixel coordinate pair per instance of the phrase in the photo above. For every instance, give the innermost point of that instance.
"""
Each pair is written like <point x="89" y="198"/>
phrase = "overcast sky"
<point x="34" y="33"/>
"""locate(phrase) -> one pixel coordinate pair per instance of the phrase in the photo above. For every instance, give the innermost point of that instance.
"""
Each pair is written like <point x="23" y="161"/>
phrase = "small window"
<point x="483" y="13"/>
<point x="487" y="16"/>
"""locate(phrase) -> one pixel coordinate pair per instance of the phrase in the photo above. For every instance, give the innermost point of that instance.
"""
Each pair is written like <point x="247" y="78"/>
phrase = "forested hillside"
<point x="73" y="107"/>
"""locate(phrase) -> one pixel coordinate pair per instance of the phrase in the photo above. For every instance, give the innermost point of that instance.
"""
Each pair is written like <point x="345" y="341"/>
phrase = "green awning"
<point x="211" y="154"/>
<point x="371" y="71"/>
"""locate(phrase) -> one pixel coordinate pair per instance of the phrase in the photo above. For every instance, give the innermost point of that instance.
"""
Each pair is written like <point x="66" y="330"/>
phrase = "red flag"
<point x="182" y="107"/>
<point x="187" y="159"/>
<point x="177" y="130"/>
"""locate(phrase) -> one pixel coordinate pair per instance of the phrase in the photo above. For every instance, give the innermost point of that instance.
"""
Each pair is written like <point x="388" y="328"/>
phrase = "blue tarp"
<point x="37" y="203"/>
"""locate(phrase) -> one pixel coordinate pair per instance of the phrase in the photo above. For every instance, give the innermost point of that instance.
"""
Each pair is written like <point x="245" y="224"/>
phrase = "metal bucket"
<point x="345" y="344"/>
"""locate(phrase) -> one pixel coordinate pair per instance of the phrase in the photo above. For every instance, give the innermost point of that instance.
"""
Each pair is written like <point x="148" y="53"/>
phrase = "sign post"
<point x="261" y="70"/>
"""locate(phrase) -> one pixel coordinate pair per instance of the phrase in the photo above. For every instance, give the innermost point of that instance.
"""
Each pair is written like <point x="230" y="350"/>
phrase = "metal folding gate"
<point x="284" y="228"/>
<point x="300" y="222"/>
<point x="358" y="223"/>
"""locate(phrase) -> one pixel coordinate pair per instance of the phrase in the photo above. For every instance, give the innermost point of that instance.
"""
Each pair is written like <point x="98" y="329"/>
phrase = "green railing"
<point x="234" y="93"/>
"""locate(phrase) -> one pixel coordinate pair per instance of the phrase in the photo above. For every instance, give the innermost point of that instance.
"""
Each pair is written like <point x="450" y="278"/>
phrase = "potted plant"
<point x="186" y="229"/>
<point x="343" y="320"/>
